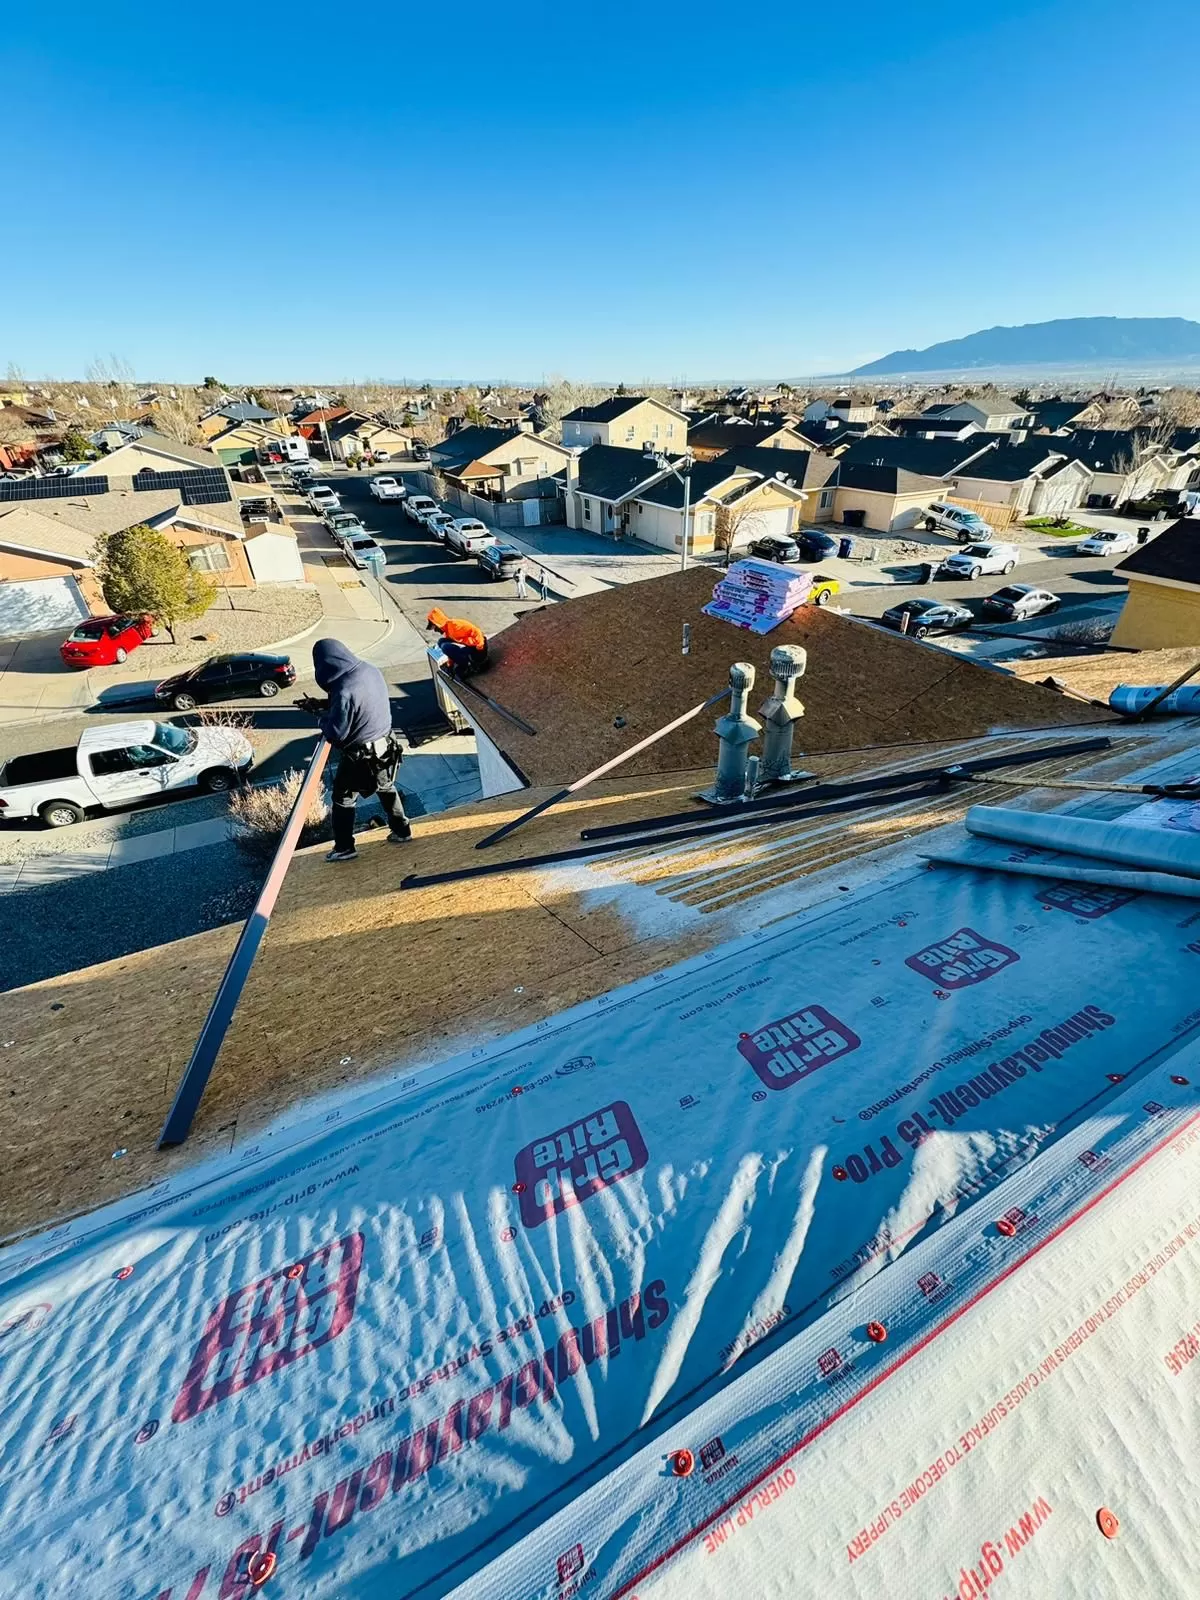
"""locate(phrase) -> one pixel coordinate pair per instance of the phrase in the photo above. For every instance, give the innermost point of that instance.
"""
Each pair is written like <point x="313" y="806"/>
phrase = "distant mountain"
<point x="1067" y="342"/>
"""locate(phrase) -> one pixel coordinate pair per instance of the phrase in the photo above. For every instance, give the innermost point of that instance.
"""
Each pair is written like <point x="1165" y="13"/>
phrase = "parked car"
<point x="976" y="559"/>
<point x="112" y="766"/>
<point x="774" y="547"/>
<point x="322" y="498"/>
<point x="1020" y="600"/>
<point x="927" y="616"/>
<point x="1108" y="542"/>
<point x="302" y="471"/>
<point x="823" y="590"/>
<point x="230" y="677"/>
<point x="814" y="546"/>
<point x="100" y="641"/>
<point x="343" y="524"/>
<point x="437" y="522"/>
<point x="467" y="536"/>
<point x="417" y="506"/>
<point x="387" y="489"/>
<point x="500" y="560"/>
<point x="359" y="551"/>
<point x="963" y="524"/>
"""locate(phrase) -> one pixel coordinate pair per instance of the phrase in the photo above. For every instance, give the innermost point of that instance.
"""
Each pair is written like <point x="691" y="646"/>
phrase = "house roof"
<point x="1055" y="413"/>
<point x="878" y="477"/>
<point x="70" y="527"/>
<point x="246" y="411"/>
<point x="931" y="458"/>
<point x="610" y="473"/>
<point x="469" y="444"/>
<point x="313" y="419"/>
<point x="612" y="408"/>
<point x="807" y="469"/>
<point x="1011" y="463"/>
<point x="826" y="437"/>
<point x="22" y="528"/>
<point x="148" y="439"/>
<point x="706" y="476"/>
<point x="908" y="427"/>
<point x="571" y="670"/>
<point x="1103" y="449"/>
<point x="730" y="431"/>
<point x="1173" y="554"/>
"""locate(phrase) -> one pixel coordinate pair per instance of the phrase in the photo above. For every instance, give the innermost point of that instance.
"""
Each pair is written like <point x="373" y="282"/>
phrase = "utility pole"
<point x="687" y="498"/>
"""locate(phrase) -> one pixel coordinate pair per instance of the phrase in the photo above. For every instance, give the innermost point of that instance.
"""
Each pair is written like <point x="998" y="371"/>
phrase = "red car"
<point x="100" y="641"/>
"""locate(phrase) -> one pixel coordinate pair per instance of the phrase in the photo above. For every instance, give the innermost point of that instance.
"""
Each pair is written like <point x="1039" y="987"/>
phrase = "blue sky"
<point x="464" y="190"/>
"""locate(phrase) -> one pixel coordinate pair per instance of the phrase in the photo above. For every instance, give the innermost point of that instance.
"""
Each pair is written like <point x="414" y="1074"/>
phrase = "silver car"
<point x="975" y="559"/>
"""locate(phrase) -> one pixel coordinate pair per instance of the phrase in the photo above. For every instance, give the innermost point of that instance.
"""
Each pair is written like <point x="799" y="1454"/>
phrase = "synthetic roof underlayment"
<point x="853" y="1256"/>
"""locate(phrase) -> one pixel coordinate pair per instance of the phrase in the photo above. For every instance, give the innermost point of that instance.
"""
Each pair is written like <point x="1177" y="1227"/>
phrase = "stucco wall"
<point x="17" y="568"/>
<point x="1158" y="617"/>
<point x="886" y="513"/>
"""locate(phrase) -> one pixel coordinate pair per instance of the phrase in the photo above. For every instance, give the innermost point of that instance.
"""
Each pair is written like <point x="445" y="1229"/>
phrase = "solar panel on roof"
<point x="198" y="486"/>
<point x="59" y="488"/>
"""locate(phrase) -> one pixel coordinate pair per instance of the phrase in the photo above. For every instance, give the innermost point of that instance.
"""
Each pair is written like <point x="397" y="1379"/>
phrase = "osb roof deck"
<point x="1097" y="675"/>
<point x="595" y="676"/>
<point x="356" y="976"/>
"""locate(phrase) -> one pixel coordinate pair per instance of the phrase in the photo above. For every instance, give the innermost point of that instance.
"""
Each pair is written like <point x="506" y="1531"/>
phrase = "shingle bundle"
<point x="759" y="595"/>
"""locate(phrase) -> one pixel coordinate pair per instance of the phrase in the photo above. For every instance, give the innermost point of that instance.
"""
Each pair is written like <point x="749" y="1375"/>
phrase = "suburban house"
<point x="1053" y="415"/>
<point x="631" y="421"/>
<point x="25" y="435"/>
<point x="1163" y="607"/>
<point x="927" y="427"/>
<point x="711" y="439"/>
<point x="883" y="496"/>
<point x="602" y="481"/>
<point x="242" y="442"/>
<point x="357" y="435"/>
<point x="152" y="452"/>
<point x="1030" y="479"/>
<point x="991" y="413"/>
<point x="808" y="470"/>
<point x="1125" y="464"/>
<point x="48" y="539"/>
<point x="114" y="434"/>
<point x="723" y="498"/>
<point x="846" y="408"/>
<point x="501" y="463"/>
<point x="215" y="422"/>
<point x="930" y="458"/>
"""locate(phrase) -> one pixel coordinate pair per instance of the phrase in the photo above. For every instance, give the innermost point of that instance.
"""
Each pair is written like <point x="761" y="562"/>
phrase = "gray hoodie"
<point x="358" y="698"/>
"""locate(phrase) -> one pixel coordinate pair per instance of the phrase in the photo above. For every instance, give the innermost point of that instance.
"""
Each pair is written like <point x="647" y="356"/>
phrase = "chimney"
<point x="736" y="730"/>
<point x="781" y="713"/>
<point x="573" y="470"/>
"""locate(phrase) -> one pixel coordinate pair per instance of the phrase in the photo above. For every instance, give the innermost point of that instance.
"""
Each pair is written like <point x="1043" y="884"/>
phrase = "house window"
<point x="656" y="430"/>
<point x="670" y="430"/>
<point x="587" y="510"/>
<point x="209" y="558"/>
<point x="826" y="499"/>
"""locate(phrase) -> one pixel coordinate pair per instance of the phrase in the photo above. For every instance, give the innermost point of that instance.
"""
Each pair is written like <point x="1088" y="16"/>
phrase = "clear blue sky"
<point x="339" y="192"/>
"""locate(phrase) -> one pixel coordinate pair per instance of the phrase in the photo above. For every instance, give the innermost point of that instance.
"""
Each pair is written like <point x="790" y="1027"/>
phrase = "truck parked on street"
<point x="114" y="766"/>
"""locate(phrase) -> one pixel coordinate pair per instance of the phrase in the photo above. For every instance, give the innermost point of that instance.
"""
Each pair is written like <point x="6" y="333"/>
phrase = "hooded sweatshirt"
<point x="358" y="699"/>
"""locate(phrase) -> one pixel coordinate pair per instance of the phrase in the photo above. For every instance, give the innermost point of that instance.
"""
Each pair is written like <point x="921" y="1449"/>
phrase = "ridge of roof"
<point x="1173" y="554"/>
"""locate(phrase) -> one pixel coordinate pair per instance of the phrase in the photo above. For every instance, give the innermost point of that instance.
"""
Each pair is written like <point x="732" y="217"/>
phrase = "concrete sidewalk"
<point x="36" y="871"/>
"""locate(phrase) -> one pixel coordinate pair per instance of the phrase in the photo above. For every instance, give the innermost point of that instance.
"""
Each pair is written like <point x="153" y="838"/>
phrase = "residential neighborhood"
<point x="599" y="805"/>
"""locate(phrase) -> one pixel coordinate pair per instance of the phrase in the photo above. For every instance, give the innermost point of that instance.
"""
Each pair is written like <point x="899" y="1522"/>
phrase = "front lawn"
<point x="1058" y="530"/>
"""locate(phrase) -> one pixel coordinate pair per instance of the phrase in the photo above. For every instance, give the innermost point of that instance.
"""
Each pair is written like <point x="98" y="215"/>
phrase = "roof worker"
<point x="357" y="721"/>
<point x="463" y="644"/>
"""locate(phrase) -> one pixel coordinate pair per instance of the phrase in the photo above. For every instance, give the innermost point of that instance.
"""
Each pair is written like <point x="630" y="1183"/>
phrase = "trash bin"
<point x="845" y="548"/>
<point x="1143" y="535"/>
<point x="854" y="519"/>
<point x="928" y="568"/>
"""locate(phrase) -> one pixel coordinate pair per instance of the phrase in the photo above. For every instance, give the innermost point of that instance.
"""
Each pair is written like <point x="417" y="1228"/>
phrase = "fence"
<point x="534" y="512"/>
<point x="997" y="516"/>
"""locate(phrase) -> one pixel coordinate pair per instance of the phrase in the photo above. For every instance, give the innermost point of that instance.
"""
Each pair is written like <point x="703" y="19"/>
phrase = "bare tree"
<point x="111" y="387"/>
<point x="178" y="418"/>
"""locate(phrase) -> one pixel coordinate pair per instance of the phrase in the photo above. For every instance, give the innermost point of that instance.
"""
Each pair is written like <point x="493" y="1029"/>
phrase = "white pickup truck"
<point x="113" y="766"/>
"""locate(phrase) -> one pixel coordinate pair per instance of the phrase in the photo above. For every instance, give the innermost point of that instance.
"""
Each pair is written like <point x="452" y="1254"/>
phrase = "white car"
<point x="467" y="536"/>
<point x="418" y="506"/>
<point x="1018" y="601"/>
<point x="977" y="559"/>
<point x="322" y="498"/>
<point x="963" y="524"/>
<point x="360" y="551"/>
<point x="438" y="523"/>
<point x="387" y="489"/>
<point x="1108" y="542"/>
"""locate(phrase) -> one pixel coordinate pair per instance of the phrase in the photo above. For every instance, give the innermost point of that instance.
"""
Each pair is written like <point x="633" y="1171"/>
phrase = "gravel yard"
<point x="240" y="620"/>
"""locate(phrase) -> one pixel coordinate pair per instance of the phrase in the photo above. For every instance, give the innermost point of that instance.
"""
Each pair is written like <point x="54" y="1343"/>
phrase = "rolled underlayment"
<point x="1147" y="860"/>
<point x="1145" y="849"/>
<point x="1131" y="700"/>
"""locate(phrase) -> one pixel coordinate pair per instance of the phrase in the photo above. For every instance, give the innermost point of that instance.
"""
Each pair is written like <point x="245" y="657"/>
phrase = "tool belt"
<point x="382" y="752"/>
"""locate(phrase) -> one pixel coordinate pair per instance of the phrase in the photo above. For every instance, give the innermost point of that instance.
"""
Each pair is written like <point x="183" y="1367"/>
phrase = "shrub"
<point x="260" y="815"/>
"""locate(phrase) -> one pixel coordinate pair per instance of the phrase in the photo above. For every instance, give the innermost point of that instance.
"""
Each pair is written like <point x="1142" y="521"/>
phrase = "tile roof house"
<point x="1162" y="610"/>
<point x="632" y="421"/>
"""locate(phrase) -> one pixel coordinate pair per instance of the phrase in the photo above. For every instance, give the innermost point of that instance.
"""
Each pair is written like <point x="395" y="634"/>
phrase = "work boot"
<point x="400" y="835"/>
<point x="343" y="855"/>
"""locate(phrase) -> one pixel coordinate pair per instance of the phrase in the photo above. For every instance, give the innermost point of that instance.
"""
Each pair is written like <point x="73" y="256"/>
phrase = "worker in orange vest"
<point x="463" y="644"/>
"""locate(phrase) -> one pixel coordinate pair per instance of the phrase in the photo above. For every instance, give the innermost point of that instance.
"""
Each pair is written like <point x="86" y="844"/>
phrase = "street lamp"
<point x="684" y="473"/>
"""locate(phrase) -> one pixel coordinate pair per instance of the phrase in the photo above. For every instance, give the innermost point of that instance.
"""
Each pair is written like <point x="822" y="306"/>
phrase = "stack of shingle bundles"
<point x="759" y="595"/>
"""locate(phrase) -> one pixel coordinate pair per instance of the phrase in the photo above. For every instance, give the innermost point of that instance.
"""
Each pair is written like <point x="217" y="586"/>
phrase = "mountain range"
<point x="1065" y="342"/>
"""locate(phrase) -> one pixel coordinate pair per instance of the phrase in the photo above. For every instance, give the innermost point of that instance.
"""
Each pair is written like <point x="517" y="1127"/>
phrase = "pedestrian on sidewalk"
<point x="357" y="721"/>
<point x="543" y="584"/>
<point x="521" y="590"/>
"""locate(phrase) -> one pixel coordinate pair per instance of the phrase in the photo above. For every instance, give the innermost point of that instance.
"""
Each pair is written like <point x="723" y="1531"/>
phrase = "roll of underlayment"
<point x="1146" y="849"/>
<point x="1129" y="700"/>
<point x="1092" y="873"/>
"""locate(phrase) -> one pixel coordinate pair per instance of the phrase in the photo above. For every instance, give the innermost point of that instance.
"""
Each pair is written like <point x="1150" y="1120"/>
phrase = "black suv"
<point x="227" y="678"/>
<point x="500" y="560"/>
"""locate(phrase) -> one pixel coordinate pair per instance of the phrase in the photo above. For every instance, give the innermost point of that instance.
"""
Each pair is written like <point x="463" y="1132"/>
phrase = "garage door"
<point x="40" y="605"/>
<point x="775" y="520"/>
